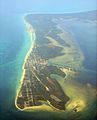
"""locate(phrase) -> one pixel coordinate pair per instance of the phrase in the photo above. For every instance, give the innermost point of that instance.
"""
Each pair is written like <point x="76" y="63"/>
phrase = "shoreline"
<point x="31" y="33"/>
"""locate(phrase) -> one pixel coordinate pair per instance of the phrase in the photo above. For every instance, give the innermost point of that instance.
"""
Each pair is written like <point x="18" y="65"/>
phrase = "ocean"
<point x="86" y="35"/>
<point x="14" y="45"/>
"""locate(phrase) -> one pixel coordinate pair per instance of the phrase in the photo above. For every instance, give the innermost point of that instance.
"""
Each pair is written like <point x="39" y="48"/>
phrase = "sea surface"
<point x="86" y="35"/>
<point x="14" y="44"/>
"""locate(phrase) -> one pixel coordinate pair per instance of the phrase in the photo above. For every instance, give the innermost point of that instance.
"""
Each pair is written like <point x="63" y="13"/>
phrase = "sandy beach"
<point x="31" y="33"/>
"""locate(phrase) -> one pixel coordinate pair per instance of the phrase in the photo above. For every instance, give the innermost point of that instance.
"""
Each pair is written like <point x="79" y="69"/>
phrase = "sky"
<point x="47" y="6"/>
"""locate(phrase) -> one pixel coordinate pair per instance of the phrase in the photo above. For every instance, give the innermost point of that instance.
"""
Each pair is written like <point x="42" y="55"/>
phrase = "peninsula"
<point x="54" y="57"/>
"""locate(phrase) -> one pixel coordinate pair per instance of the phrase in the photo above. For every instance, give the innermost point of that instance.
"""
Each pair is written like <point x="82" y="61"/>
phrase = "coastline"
<point x="31" y="33"/>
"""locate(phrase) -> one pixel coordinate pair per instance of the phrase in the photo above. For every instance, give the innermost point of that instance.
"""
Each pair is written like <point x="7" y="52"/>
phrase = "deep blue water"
<point x="86" y="36"/>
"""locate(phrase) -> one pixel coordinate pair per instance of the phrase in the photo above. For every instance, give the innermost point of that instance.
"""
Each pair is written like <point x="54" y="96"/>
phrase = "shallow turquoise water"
<point x="14" y="45"/>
